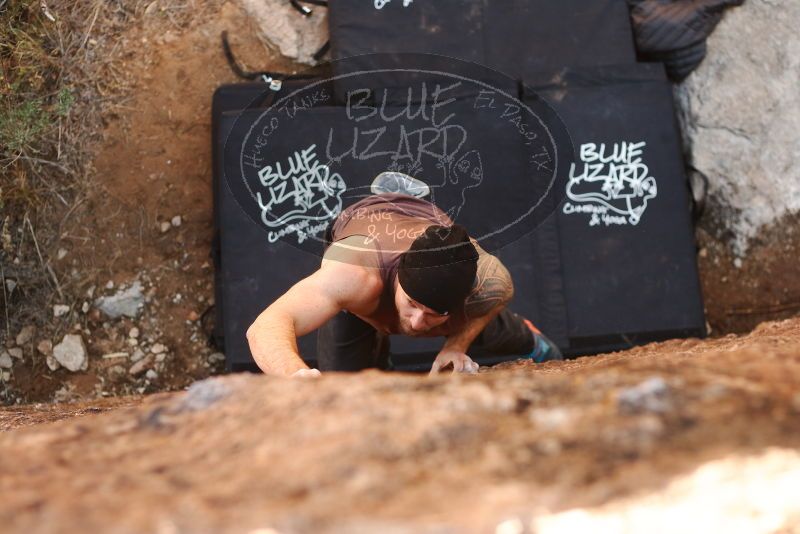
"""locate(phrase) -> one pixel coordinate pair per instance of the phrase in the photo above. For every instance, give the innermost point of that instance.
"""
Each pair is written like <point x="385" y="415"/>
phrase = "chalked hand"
<point x="460" y="362"/>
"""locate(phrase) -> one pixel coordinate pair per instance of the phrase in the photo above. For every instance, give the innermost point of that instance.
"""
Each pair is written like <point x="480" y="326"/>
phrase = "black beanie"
<point x="438" y="270"/>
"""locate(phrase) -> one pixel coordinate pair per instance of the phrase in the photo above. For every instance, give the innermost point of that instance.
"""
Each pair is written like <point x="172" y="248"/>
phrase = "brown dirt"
<point x="391" y="452"/>
<point x="154" y="164"/>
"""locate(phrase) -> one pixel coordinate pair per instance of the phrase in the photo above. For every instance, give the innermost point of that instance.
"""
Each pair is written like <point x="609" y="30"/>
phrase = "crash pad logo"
<point x="611" y="184"/>
<point x="454" y="134"/>
<point x="299" y="196"/>
<point x="380" y="4"/>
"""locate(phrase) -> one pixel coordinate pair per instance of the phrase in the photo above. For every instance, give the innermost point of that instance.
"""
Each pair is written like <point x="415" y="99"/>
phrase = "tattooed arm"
<point x="491" y="292"/>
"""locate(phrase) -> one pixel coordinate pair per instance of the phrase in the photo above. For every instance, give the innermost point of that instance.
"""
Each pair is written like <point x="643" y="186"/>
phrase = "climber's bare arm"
<point x="338" y="284"/>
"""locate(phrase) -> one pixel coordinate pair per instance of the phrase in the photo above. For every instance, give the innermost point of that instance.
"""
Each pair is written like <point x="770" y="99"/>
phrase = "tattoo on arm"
<point x="492" y="287"/>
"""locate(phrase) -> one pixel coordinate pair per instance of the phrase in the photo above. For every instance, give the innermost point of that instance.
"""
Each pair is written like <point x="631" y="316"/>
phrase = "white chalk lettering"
<point x="611" y="183"/>
<point x="298" y="191"/>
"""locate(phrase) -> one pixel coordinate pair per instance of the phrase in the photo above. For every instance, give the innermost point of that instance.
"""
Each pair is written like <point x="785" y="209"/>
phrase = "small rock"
<point x="141" y="366"/>
<point x="62" y="253"/>
<point x="25" y="335"/>
<point x="137" y="355"/>
<point x="133" y="333"/>
<point x="126" y="302"/>
<point x="60" y="310"/>
<point x="45" y="347"/>
<point x="90" y="292"/>
<point x="11" y="285"/>
<point x="51" y="362"/>
<point x="6" y="376"/>
<point x="5" y="360"/>
<point x="85" y="307"/>
<point x="151" y="375"/>
<point x="176" y="221"/>
<point x="193" y="316"/>
<point x="115" y="355"/>
<point x="110" y="284"/>
<point x="115" y="372"/>
<point x="737" y="263"/>
<point x="652" y="395"/>
<point x="71" y="353"/>
<point x="216" y="357"/>
<point x="165" y="226"/>
<point x="132" y="341"/>
<point x="158" y="348"/>
<point x="161" y="357"/>
<point x="16" y="352"/>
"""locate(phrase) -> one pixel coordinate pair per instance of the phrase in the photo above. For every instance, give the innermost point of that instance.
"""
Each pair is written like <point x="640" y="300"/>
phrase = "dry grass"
<point x="62" y="74"/>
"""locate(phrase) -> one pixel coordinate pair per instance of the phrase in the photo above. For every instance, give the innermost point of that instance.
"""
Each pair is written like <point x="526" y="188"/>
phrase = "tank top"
<point x="390" y="222"/>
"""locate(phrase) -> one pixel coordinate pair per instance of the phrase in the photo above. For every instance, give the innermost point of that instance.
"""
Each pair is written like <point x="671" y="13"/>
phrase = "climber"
<point x="396" y="264"/>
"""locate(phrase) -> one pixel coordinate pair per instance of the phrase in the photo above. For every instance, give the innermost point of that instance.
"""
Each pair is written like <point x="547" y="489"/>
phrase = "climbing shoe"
<point x="543" y="349"/>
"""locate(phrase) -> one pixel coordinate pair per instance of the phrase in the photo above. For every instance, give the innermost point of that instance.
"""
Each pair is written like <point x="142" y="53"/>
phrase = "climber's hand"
<point x="460" y="363"/>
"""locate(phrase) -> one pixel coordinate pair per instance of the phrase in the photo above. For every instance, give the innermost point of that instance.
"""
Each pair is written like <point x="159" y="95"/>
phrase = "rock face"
<point x="522" y="448"/>
<point x="71" y="353"/>
<point x="297" y="37"/>
<point x="739" y="112"/>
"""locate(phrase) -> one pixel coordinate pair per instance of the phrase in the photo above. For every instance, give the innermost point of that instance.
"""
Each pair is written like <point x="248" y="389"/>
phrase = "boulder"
<point x="739" y="113"/>
<point x="295" y="36"/>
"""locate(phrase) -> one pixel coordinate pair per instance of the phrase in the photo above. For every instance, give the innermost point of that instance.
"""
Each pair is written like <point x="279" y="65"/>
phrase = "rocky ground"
<point x="680" y="434"/>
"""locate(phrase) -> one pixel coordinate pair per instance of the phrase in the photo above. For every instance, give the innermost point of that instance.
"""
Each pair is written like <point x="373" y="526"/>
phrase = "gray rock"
<point x="126" y="302"/>
<point x="5" y="360"/>
<point x="176" y="221"/>
<point x="133" y="333"/>
<point x="25" y="335"/>
<point x="71" y="353"/>
<point x="151" y="374"/>
<point x="296" y="37"/>
<point x="739" y="112"/>
<point x="15" y="352"/>
<point x="60" y="310"/>
<point x="158" y="348"/>
<point x="652" y="395"/>
<point x="137" y="355"/>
